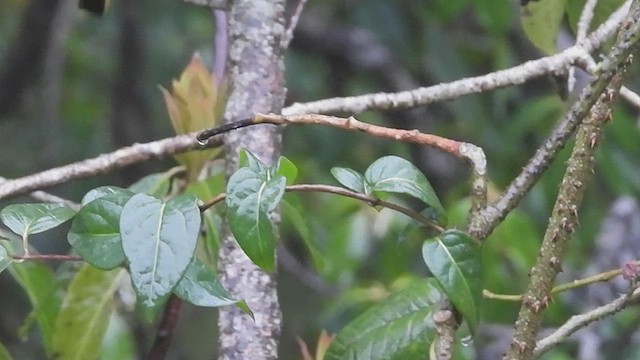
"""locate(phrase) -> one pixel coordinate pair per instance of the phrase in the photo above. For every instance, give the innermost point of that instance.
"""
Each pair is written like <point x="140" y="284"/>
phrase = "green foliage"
<point x="156" y="185"/>
<point x="85" y="313"/>
<point x="26" y="219"/>
<point x="41" y="287"/>
<point x="454" y="259"/>
<point x="158" y="239"/>
<point x="390" y="174"/>
<point x="5" y="259"/>
<point x="400" y="327"/>
<point x="95" y="231"/>
<point x="253" y="192"/>
<point x="541" y="20"/>
<point x="4" y="353"/>
<point x="200" y="286"/>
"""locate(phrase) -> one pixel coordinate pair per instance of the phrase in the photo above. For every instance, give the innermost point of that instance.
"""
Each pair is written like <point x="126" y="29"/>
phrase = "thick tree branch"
<point x="257" y="82"/>
<point x="564" y="219"/>
<point x="489" y="217"/>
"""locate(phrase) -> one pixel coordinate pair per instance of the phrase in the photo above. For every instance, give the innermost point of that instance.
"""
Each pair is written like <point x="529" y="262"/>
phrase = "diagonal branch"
<point x="448" y="91"/>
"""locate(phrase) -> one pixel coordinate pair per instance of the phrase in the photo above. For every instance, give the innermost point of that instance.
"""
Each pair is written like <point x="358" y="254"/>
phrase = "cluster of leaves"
<point x="115" y="229"/>
<point x="401" y="326"/>
<point x="118" y="230"/>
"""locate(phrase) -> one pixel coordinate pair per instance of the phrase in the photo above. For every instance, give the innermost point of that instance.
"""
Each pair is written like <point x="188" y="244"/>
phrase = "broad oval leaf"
<point x="454" y="259"/>
<point x="251" y="196"/>
<point x="350" y="179"/>
<point x="5" y="259"/>
<point x="541" y="21"/>
<point x="25" y="219"/>
<point x="158" y="239"/>
<point x="85" y="313"/>
<point x="103" y="191"/>
<point x="95" y="231"/>
<point x="200" y="286"/>
<point x="397" y="175"/>
<point x="400" y="327"/>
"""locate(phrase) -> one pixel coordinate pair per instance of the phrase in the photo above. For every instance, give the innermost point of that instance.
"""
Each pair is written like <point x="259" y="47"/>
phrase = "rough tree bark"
<point x="256" y="73"/>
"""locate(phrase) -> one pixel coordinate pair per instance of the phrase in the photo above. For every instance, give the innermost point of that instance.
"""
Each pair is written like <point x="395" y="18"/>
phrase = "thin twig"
<point x="581" y="34"/>
<point x="578" y="322"/>
<point x="47" y="257"/>
<point x="215" y="4"/>
<point x="50" y="198"/>
<point x="601" y="277"/>
<point x="372" y="201"/>
<point x="293" y="22"/>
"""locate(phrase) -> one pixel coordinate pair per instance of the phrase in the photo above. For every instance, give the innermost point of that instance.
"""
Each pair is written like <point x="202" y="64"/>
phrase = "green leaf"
<point x="85" y="313"/>
<point x="4" y="353"/>
<point x="454" y="259"/>
<point x="251" y="195"/>
<point x="41" y="287"/>
<point x="541" y="21"/>
<point x="25" y="219"/>
<point x="350" y="179"/>
<point x="95" y="231"/>
<point x="158" y="239"/>
<point x="155" y="185"/>
<point x="397" y="175"/>
<point x="247" y="159"/>
<point x="293" y="217"/>
<point x="5" y="259"/>
<point x="287" y="169"/>
<point x="103" y="191"/>
<point x="400" y="327"/>
<point x="200" y="286"/>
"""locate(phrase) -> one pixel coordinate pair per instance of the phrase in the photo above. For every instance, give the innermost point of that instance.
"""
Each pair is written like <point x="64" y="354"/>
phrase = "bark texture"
<point x="256" y="72"/>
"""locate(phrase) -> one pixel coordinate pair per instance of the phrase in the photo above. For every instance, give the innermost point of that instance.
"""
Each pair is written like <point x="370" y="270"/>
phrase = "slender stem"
<point x="46" y="257"/>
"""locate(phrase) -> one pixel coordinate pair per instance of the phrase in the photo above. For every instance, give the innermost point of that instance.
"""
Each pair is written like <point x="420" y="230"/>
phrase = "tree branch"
<point x="580" y="321"/>
<point x="580" y="168"/>
<point x="441" y="92"/>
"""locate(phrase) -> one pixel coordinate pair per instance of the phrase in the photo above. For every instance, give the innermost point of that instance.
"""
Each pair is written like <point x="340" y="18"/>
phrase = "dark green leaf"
<point x="541" y="21"/>
<point x="40" y="284"/>
<point x="200" y="286"/>
<point x="400" y="327"/>
<point x="287" y="169"/>
<point x="293" y="217"/>
<point x="350" y="179"/>
<point x="454" y="259"/>
<point x="103" y="191"/>
<point x="155" y="185"/>
<point x="252" y="194"/>
<point x="247" y="159"/>
<point x="158" y="239"/>
<point x="85" y="313"/>
<point x="5" y="259"/>
<point x="25" y="219"/>
<point x="397" y="175"/>
<point x="95" y="231"/>
<point x="4" y="353"/>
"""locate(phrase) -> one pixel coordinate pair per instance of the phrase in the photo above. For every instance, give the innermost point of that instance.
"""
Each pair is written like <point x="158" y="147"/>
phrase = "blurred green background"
<point x="73" y="86"/>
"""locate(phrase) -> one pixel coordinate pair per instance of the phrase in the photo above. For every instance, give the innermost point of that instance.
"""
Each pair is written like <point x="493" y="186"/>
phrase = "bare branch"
<point x="583" y="27"/>
<point x="215" y="4"/>
<point x="580" y="321"/>
<point x="447" y="91"/>
<point x="102" y="164"/>
<point x="288" y="36"/>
